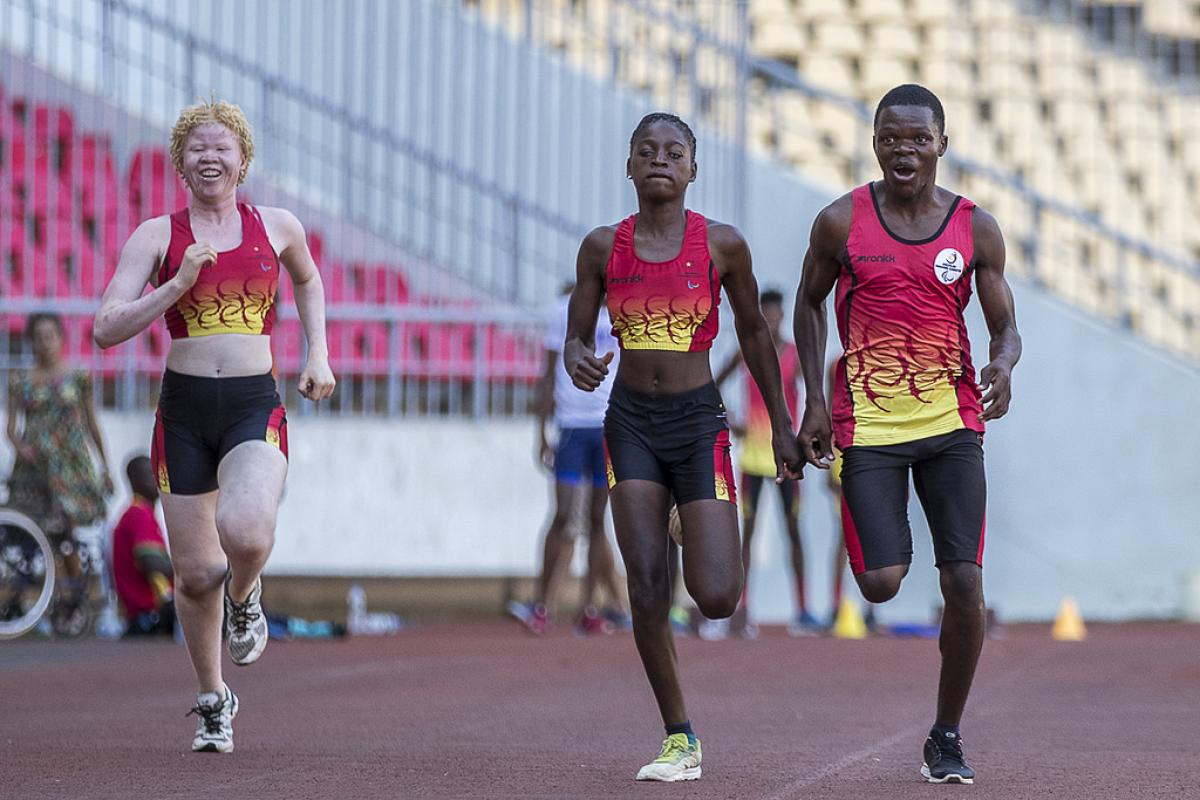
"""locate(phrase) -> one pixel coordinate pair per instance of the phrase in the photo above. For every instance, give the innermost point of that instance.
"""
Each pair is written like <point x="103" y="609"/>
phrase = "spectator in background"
<point x="578" y="466"/>
<point x="141" y="568"/>
<point x="51" y="420"/>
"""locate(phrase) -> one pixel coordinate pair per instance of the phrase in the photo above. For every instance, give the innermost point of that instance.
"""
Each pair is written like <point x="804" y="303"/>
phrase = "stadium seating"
<point x="1031" y="94"/>
<point x="66" y="208"/>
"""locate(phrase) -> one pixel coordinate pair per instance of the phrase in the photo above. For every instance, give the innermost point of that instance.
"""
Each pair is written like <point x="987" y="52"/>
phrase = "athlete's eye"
<point x="676" y="155"/>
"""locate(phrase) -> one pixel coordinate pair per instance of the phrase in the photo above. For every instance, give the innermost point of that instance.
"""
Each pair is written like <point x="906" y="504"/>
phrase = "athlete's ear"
<point x="942" y="145"/>
<point x="693" y="178"/>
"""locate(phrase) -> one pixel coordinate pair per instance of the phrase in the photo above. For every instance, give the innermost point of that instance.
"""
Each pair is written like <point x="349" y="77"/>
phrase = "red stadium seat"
<point x="153" y="185"/>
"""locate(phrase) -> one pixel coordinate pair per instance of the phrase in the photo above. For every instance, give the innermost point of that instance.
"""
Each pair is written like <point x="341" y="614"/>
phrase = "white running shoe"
<point x="245" y="625"/>
<point x="214" y="730"/>
<point x="678" y="761"/>
<point x="713" y="630"/>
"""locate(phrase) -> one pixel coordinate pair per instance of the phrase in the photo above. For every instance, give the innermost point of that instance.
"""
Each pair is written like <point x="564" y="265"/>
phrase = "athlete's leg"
<point x="199" y="566"/>
<point x="712" y="569"/>
<point x="602" y="568"/>
<point x="559" y="546"/>
<point x="640" y="518"/>
<point x="789" y="501"/>
<point x="875" y="519"/>
<point x="251" y="476"/>
<point x="953" y="490"/>
<point x="751" y="491"/>
<point x="961" y="639"/>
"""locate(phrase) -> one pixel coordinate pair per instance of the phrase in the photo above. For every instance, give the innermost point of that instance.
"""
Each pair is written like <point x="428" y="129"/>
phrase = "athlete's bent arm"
<point x="316" y="379"/>
<point x="995" y="297"/>
<point x="124" y="310"/>
<point x="828" y="238"/>
<point x="754" y="338"/>
<point x="579" y="351"/>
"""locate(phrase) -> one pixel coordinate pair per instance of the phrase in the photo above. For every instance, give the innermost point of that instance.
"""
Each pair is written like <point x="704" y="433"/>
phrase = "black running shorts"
<point x="200" y="420"/>
<point x="948" y="473"/>
<point x="752" y="485"/>
<point x="680" y="441"/>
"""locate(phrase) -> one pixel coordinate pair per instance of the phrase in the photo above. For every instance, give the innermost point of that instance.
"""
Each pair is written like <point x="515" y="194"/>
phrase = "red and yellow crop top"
<point x="236" y="294"/>
<point x="664" y="305"/>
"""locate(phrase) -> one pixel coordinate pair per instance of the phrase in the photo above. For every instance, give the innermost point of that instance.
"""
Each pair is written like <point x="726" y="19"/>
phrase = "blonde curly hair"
<point x="220" y="112"/>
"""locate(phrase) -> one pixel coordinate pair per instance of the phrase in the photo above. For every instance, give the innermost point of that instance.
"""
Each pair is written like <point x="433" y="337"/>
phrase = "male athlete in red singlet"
<point x="902" y="253"/>
<point x="220" y="435"/>
<point x="665" y="433"/>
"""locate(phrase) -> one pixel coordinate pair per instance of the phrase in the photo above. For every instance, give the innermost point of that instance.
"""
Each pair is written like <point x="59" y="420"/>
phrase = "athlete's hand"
<point x="589" y="372"/>
<point x="789" y="463"/>
<point x="195" y="258"/>
<point x="995" y="380"/>
<point x="815" y="438"/>
<point x="316" y="381"/>
<point x="547" y="455"/>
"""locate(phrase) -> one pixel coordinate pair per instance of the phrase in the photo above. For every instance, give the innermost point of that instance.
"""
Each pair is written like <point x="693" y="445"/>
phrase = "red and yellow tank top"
<point x="906" y="372"/>
<point x="663" y="305"/>
<point x="234" y="295"/>
<point x="757" y="456"/>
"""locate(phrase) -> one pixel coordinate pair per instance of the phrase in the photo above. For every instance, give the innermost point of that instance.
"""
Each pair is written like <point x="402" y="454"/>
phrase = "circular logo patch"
<point x="949" y="265"/>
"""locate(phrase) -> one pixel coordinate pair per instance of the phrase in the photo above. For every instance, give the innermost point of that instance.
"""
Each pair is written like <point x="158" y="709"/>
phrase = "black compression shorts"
<point x="680" y="441"/>
<point x="200" y="420"/>
<point x="948" y="473"/>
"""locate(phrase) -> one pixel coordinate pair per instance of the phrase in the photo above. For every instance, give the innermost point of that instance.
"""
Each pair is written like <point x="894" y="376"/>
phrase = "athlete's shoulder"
<point x="831" y="228"/>
<point x="599" y="242"/>
<point x="984" y="224"/>
<point x="725" y="238"/>
<point x="281" y="217"/>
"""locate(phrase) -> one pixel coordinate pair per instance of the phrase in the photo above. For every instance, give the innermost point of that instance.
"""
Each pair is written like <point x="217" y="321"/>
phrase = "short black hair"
<point x="910" y="94"/>
<point x="771" y="297"/>
<point x="38" y="317"/>
<point x="663" y="116"/>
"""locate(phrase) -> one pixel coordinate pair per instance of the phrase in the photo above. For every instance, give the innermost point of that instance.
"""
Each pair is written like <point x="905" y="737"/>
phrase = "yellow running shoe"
<point x="678" y="761"/>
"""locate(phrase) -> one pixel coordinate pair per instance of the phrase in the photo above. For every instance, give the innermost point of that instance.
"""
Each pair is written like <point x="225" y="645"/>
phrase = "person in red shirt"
<point x="142" y="571"/>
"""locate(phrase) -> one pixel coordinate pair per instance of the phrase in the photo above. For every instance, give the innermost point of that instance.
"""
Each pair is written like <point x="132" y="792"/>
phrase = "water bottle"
<point x="356" y="609"/>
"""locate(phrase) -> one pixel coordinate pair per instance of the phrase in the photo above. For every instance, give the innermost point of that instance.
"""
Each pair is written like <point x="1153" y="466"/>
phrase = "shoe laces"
<point x="946" y="746"/>
<point x="210" y="715"/>
<point x="673" y="748"/>
<point x="240" y="616"/>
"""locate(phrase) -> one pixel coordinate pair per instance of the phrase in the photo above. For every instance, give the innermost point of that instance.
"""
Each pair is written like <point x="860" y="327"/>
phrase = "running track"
<point x="486" y="711"/>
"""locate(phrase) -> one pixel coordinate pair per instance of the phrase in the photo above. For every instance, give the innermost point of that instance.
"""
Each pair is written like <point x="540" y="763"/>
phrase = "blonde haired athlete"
<point x="220" y="435"/>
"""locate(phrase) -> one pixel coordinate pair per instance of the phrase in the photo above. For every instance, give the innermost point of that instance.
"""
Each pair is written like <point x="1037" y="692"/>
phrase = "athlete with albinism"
<point x="220" y="436"/>
<point x="665" y="433"/>
<point x="901" y="254"/>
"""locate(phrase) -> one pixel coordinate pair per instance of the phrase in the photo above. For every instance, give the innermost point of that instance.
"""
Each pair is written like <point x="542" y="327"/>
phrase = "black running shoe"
<point x="944" y="762"/>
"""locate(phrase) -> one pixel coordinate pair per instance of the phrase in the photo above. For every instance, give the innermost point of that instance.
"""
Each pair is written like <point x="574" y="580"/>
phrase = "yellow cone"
<point x="849" y="623"/>
<point x="1068" y="625"/>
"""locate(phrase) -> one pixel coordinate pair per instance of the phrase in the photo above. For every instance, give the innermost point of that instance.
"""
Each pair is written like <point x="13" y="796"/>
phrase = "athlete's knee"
<point x="196" y="578"/>
<point x="718" y="599"/>
<point x="649" y="595"/>
<point x="881" y="585"/>
<point x="962" y="582"/>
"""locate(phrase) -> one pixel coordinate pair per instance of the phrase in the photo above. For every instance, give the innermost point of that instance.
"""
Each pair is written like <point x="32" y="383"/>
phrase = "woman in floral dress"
<point x="50" y="422"/>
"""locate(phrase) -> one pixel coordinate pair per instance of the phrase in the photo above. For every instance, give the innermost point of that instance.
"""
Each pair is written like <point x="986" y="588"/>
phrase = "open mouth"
<point x="210" y="174"/>
<point x="904" y="172"/>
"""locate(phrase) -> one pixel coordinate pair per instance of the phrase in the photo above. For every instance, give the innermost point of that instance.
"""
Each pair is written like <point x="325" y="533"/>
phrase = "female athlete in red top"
<point x="665" y="432"/>
<point x="214" y="268"/>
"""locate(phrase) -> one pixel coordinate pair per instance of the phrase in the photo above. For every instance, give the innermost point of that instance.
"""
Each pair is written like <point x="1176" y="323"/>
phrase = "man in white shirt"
<point x="578" y="463"/>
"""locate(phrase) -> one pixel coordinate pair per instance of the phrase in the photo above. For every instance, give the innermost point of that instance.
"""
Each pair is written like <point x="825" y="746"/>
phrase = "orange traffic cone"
<point x="1068" y="625"/>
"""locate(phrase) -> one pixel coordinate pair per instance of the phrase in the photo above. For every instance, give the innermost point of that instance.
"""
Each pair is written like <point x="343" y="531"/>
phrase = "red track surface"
<point x="485" y="711"/>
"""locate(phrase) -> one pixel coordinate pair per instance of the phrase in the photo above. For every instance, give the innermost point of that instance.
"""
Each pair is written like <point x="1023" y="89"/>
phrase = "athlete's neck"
<point x="215" y="212"/>
<point x="662" y="219"/>
<point x="909" y="204"/>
